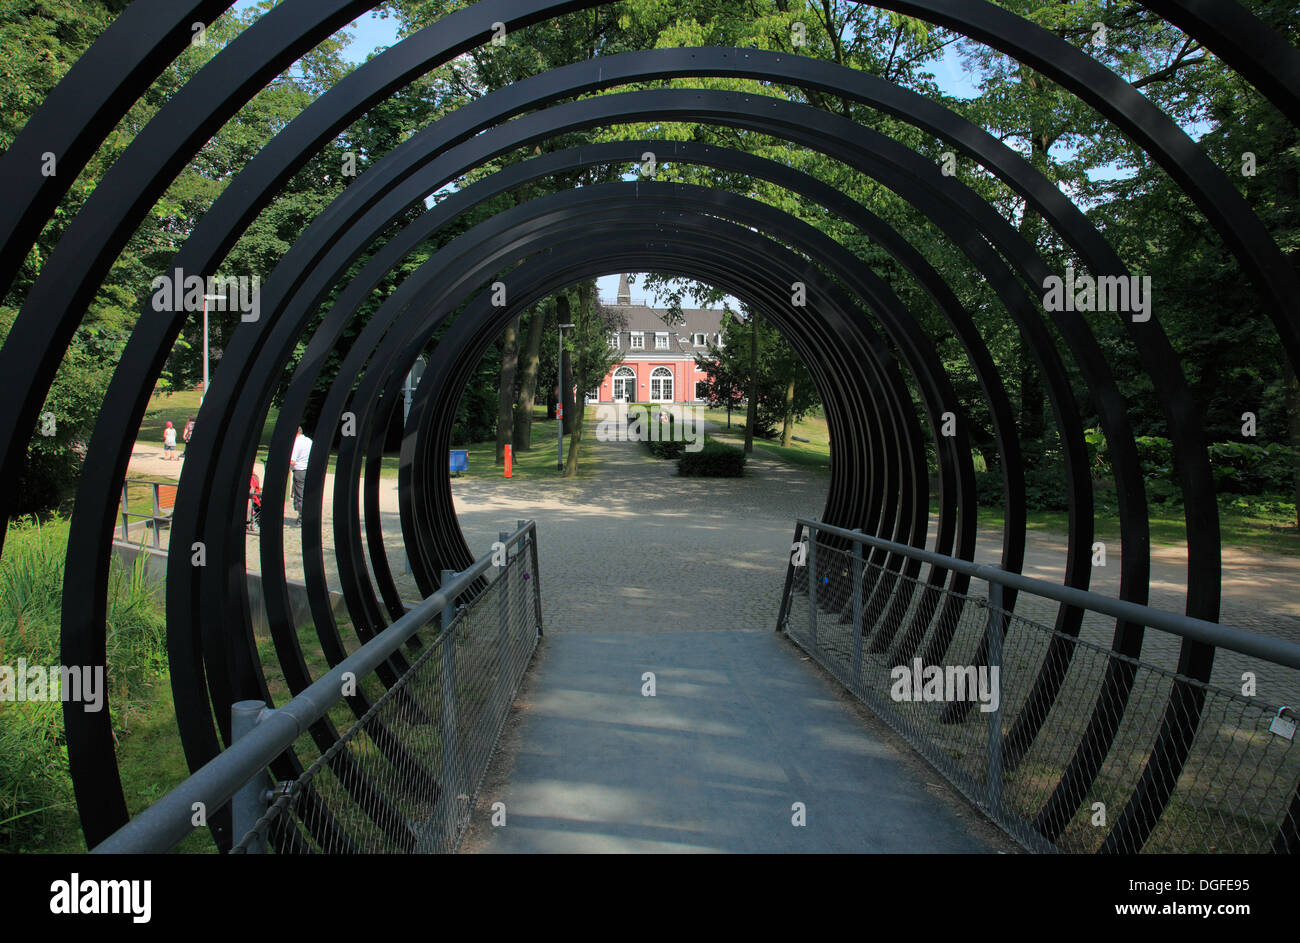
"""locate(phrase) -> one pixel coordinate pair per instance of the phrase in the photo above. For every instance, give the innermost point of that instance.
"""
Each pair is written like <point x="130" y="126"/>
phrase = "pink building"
<point x="659" y="360"/>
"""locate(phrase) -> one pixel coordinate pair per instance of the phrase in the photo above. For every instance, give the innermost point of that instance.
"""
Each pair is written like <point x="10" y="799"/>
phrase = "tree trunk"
<point x="575" y="438"/>
<point x="566" y="391"/>
<point x="529" y="359"/>
<point x="506" y="393"/>
<point x="751" y="417"/>
<point x="787" y="429"/>
<point x="1287" y="184"/>
<point x="1293" y="427"/>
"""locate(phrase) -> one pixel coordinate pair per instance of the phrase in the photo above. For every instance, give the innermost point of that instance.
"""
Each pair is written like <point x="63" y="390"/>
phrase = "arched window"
<point x="624" y="385"/>
<point x="661" y="385"/>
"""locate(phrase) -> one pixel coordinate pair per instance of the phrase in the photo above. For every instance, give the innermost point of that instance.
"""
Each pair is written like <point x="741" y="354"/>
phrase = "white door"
<point x="624" y="385"/>
<point x="661" y="385"/>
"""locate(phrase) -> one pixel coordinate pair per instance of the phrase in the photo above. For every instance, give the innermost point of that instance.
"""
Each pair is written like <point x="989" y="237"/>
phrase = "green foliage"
<point x="715" y="460"/>
<point x="476" y="413"/>
<point x="1044" y="486"/>
<point x="35" y="792"/>
<point x="728" y="368"/>
<point x="42" y="39"/>
<point x="1250" y="469"/>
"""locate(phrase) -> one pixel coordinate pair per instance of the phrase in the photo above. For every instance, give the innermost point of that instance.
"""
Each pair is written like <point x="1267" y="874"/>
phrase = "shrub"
<point x="1246" y="468"/>
<point x="715" y="460"/>
<point x="988" y="487"/>
<point x="1044" y="488"/>
<point x="667" y="447"/>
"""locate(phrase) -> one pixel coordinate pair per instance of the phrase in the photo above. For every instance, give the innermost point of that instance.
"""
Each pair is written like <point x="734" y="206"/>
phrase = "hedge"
<point x="715" y="460"/>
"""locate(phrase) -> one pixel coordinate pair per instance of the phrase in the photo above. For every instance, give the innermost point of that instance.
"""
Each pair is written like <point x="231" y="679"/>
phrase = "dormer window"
<point x="699" y="339"/>
<point x="614" y="341"/>
<point x="636" y="341"/>
<point x="718" y="340"/>
<point x="661" y="340"/>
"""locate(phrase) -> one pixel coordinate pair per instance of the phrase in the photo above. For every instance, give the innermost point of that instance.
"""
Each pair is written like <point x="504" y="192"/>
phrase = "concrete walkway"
<point x="647" y="572"/>
<point x="739" y="730"/>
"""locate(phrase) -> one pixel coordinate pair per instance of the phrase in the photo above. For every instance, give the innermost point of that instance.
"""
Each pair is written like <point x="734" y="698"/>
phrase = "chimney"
<point x="624" y="293"/>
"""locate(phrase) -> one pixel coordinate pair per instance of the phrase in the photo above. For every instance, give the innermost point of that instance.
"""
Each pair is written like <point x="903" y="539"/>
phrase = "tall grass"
<point x="35" y="791"/>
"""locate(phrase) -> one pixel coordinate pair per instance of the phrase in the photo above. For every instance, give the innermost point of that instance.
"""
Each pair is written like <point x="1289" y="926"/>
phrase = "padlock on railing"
<point x="1282" y="725"/>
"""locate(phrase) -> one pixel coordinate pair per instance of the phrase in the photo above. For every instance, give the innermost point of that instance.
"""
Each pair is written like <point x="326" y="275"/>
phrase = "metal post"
<point x="521" y="584"/>
<point x="812" y="584"/>
<point x="559" y="391"/>
<point x="559" y="399"/>
<point x="450" y="765"/>
<point x="783" y="613"/>
<point x="206" y="298"/>
<point x="249" y="803"/>
<point x="503" y="624"/>
<point x="859" y="630"/>
<point x="996" y="625"/>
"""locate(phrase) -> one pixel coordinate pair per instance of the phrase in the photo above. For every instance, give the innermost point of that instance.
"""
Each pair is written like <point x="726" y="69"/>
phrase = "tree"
<point x="783" y="391"/>
<point x="591" y="354"/>
<point x="529" y="360"/>
<point x="506" y="389"/>
<point x="41" y="39"/>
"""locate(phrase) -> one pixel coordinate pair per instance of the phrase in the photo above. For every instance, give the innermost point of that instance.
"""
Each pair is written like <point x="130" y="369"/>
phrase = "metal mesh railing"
<point x="1063" y="741"/>
<point x="403" y="778"/>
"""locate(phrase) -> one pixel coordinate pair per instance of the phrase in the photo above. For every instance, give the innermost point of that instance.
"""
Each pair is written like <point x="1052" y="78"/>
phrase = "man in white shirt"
<point x="298" y="463"/>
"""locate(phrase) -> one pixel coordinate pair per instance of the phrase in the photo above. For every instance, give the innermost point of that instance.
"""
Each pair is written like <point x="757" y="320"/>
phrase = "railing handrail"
<point x="169" y="820"/>
<point x="1238" y="640"/>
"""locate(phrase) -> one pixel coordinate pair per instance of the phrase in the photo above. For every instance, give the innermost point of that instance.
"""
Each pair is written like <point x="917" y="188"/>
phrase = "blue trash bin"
<point x="459" y="460"/>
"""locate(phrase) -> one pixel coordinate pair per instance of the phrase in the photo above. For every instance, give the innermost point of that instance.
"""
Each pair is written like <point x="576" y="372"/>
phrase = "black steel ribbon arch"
<point x="1002" y="223"/>
<point x="977" y="18"/>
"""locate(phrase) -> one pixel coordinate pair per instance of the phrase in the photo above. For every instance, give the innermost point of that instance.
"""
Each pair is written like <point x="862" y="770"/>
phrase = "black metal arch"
<point x="135" y="50"/>
<point x="1049" y="682"/>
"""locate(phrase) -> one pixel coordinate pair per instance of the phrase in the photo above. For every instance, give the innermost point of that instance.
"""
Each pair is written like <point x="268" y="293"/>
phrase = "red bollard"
<point x="508" y="461"/>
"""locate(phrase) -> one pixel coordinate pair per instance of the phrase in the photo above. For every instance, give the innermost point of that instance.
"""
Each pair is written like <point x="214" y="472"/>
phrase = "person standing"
<point x="169" y="443"/>
<point x="187" y="433"/>
<point x="298" y="464"/>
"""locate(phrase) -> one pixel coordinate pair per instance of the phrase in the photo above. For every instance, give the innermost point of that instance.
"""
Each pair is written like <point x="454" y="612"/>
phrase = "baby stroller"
<point x="254" y="521"/>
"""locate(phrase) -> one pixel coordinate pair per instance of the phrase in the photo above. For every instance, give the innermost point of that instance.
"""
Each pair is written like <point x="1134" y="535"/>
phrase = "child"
<point x="169" y="443"/>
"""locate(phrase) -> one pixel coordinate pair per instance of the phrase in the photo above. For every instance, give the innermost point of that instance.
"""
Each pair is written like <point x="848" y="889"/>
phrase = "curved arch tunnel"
<point x="867" y="352"/>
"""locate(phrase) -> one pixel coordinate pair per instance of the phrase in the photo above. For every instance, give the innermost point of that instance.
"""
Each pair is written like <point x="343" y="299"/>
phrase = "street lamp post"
<point x="559" y="398"/>
<point x="206" y="299"/>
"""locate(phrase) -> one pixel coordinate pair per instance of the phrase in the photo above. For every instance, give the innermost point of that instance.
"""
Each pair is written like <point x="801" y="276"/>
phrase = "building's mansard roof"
<point x="647" y="321"/>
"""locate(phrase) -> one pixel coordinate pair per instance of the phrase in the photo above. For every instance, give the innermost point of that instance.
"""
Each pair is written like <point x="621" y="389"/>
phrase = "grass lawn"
<point x="539" y="461"/>
<point x="176" y="407"/>
<point x="151" y="763"/>
<point x="1265" y="525"/>
<point x="1259" y="525"/>
<point x="1264" y="529"/>
<point x="536" y="463"/>
<point x="815" y="454"/>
